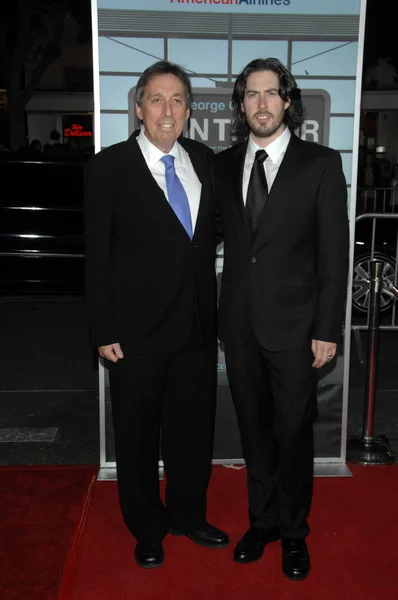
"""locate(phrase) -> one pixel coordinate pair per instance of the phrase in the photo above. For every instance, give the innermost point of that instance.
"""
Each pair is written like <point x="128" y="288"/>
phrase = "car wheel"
<point x="361" y="282"/>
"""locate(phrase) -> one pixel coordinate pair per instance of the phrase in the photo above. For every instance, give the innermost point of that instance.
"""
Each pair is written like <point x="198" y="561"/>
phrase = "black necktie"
<point x="257" y="192"/>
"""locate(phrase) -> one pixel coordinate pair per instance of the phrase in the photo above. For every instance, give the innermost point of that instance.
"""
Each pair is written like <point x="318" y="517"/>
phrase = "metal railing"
<point x="376" y="237"/>
<point x="383" y="199"/>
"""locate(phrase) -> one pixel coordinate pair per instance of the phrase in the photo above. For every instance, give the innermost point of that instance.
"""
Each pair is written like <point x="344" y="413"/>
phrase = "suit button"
<point x="254" y="259"/>
<point x="194" y="246"/>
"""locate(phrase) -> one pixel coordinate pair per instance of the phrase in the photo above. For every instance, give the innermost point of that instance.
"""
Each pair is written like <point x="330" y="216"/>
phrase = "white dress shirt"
<point x="184" y="169"/>
<point x="276" y="151"/>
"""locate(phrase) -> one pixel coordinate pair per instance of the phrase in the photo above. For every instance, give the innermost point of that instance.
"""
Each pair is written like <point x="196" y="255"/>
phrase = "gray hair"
<point x="163" y="67"/>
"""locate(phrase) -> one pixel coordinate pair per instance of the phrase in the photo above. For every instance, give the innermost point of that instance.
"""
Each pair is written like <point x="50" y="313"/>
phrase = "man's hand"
<point x="111" y="352"/>
<point x="323" y="353"/>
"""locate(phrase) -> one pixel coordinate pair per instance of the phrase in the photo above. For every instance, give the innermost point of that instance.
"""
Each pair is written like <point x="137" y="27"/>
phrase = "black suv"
<point x="41" y="225"/>
<point x="41" y="230"/>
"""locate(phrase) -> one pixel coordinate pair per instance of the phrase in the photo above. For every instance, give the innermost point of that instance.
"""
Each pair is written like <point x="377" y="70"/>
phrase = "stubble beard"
<point x="264" y="130"/>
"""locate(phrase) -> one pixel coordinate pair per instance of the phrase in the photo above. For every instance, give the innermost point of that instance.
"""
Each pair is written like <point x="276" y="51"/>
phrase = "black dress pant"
<point x="274" y="394"/>
<point x="167" y="401"/>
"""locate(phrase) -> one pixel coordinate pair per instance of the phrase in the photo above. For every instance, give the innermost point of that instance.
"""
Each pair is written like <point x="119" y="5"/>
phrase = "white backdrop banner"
<point x="320" y="41"/>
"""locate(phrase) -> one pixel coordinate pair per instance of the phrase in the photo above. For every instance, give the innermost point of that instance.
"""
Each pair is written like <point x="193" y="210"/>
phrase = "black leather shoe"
<point x="251" y="546"/>
<point x="295" y="559"/>
<point x="149" y="555"/>
<point x="208" y="536"/>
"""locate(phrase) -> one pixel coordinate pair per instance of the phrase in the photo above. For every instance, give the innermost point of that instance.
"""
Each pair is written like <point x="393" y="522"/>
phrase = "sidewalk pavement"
<point x="49" y="384"/>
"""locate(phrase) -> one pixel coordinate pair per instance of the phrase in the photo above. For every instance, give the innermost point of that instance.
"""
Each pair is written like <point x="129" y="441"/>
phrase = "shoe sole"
<point x="150" y="566"/>
<point x="215" y="547"/>
<point x="247" y="562"/>
<point x="175" y="532"/>
<point x="296" y="578"/>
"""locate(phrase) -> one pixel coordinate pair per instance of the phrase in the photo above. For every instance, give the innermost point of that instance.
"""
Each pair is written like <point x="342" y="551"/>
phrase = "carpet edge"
<point x="70" y="570"/>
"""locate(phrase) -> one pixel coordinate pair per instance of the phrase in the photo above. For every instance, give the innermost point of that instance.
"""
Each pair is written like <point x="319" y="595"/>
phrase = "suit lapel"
<point x="197" y="163"/>
<point x="237" y="179"/>
<point x="202" y="172"/>
<point x="139" y="175"/>
<point x="137" y="172"/>
<point x="140" y="178"/>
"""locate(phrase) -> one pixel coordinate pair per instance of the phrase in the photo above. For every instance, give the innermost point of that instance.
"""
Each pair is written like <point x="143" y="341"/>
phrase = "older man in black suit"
<point x="284" y="217"/>
<point x="151" y="299"/>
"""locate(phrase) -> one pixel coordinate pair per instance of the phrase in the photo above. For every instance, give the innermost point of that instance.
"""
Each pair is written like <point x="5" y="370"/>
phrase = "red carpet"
<point x="353" y="547"/>
<point x="43" y="511"/>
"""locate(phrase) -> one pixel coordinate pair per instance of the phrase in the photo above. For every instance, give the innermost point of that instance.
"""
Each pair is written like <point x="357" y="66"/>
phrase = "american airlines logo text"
<point x="235" y="2"/>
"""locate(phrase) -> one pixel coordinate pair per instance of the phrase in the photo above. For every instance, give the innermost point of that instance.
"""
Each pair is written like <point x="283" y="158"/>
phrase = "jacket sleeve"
<point x="332" y="251"/>
<point x="98" y="248"/>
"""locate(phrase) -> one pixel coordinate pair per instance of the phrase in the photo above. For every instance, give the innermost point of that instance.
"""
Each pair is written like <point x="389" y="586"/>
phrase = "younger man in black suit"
<point x="285" y="227"/>
<point x="151" y="300"/>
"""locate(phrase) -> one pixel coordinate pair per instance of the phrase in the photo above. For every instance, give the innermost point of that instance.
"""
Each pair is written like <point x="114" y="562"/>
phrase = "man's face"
<point x="263" y="107"/>
<point x="163" y="110"/>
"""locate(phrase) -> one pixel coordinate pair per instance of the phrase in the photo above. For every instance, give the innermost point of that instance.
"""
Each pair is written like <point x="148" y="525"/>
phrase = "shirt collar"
<point x="274" y="150"/>
<point x="152" y="154"/>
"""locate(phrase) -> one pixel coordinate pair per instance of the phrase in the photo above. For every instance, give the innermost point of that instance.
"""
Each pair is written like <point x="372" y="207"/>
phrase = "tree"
<point x="31" y="32"/>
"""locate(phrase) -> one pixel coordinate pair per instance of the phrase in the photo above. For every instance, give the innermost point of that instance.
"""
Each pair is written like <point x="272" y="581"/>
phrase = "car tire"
<point x="361" y="282"/>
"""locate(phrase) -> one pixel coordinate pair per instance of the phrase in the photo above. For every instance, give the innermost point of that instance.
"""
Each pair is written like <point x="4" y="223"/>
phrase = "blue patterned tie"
<point x="177" y="197"/>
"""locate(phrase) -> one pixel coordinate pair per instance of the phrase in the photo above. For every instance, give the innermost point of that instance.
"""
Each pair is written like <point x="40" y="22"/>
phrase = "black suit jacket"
<point x="288" y="284"/>
<point x="145" y="278"/>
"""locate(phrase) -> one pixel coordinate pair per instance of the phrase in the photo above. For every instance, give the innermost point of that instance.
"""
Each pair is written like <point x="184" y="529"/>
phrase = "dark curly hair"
<point x="288" y="90"/>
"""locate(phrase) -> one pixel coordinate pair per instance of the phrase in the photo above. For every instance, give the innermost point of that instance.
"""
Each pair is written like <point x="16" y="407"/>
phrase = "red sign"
<point x="76" y="131"/>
